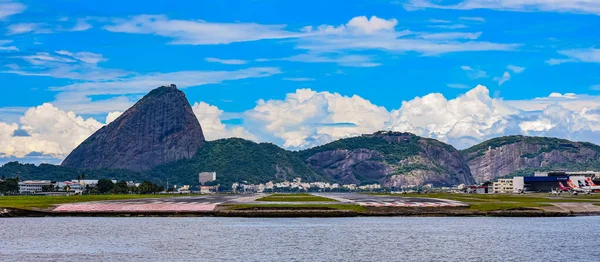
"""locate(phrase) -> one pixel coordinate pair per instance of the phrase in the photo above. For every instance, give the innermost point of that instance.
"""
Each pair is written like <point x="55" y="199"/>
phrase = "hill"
<point x="160" y="128"/>
<point x="391" y="158"/>
<point x="517" y="155"/>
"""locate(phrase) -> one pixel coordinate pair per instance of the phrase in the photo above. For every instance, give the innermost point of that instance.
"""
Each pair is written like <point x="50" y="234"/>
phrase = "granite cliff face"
<point x="394" y="159"/>
<point x="509" y="155"/>
<point x="158" y="129"/>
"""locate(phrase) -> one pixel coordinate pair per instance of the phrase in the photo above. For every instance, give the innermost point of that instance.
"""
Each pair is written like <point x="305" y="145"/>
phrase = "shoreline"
<point x="290" y="213"/>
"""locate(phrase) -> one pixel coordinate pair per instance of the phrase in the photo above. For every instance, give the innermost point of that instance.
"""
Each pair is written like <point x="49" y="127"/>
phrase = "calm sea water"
<point x="301" y="239"/>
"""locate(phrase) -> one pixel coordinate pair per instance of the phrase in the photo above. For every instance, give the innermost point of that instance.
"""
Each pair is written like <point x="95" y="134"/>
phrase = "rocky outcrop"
<point x="504" y="156"/>
<point x="158" y="129"/>
<point x="394" y="159"/>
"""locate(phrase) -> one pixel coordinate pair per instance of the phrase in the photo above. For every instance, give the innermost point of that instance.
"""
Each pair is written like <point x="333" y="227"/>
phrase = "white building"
<point x="503" y="186"/>
<point x="207" y="177"/>
<point x="33" y="186"/>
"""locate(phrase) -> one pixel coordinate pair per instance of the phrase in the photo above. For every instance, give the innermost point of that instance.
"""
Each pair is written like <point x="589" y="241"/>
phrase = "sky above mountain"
<point x="301" y="73"/>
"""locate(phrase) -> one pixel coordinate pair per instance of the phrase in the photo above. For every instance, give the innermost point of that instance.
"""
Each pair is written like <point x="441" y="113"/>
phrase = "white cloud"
<point x="22" y="28"/>
<point x="372" y="25"/>
<point x="50" y="130"/>
<point x="439" y="21"/>
<point x="572" y="6"/>
<point x="5" y="47"/>
<point x="502" y="79"/>
<point x="225" y="61"/>
<point x="472" y="18"/>
<point x="10" y="8"/>
<point x="515" y="69"/>
<point x="343" y="38"/>
<point x="507" y="76"/>
<point x="474" y="73"/>
<point x="66" y="65"/>
<point x="112" y="116"/>
<point x="213" y="128"/>
<point x="308" y="118"/>
<point x="459" y="86"/>
<point x="587" y="55"/>
<point x="325" y="43"/>
<point x="341" y="59"/>
<point x="453" y="26"/>
<point x="91" y="79"/>
<point x="197" y="32"/>
<point x="86" y="57"/>
<point x="451" y="35"/>
<point x="80" y="25"/>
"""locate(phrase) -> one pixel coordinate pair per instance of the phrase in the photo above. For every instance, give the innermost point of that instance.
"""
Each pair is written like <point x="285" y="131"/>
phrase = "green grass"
<point x="28" y="202"/>
<point x="295" y="198"/>
<point x="504" y="206"/>
<point x="351" y="207"/>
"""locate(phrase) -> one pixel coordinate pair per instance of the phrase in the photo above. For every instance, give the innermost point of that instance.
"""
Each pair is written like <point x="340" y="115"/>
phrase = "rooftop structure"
<point x="207" y="177"/>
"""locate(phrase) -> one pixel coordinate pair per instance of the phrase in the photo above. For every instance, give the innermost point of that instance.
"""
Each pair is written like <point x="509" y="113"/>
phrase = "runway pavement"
<point x="391" y="200"/>
<point x="208" y="203"/>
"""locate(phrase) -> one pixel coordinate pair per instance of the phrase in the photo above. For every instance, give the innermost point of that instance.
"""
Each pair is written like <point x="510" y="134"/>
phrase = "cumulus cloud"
<point x="213" y="128"/>
<point x="308" y="118"/>
<point x="572" y="6"/>
<point x="49" y="131"/>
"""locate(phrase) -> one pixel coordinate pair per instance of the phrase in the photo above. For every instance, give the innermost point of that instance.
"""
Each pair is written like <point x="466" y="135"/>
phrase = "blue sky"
<point x="301" y="73"/>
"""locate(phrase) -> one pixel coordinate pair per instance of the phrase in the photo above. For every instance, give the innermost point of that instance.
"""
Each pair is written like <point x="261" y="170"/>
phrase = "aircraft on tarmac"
<point x="589" y="185"/>
<point x="574" y="189"/>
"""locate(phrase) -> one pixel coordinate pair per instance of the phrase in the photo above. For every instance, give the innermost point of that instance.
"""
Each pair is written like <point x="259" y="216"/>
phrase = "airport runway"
<point x="390" y="200"/>
<point x="208" y="203"/>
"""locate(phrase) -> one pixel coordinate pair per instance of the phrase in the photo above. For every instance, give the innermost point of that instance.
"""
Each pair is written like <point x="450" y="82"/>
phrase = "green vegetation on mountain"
<point x="237" y="160"/>
<point x="391" y="151"/>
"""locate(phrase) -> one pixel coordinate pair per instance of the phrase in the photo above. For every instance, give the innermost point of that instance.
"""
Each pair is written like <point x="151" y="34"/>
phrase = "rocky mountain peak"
<point x="160" y="128"/>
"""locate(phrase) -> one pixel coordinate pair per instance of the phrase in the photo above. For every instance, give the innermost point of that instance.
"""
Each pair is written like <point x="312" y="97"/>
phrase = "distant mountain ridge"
<point x="512" y="155"/>
<point x="390" y="158"/>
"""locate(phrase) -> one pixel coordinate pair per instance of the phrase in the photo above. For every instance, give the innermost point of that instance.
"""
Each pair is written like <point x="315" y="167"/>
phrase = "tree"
<point x="105" y="185"/>
<point x="9" y="186"/>
<point x="149" y="188"/>
<point x="121" y="188"/>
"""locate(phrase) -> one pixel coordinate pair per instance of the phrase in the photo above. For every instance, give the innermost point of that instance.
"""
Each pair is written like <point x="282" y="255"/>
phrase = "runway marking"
<point x="410" y="204"/>
<point x="125" y="207"/>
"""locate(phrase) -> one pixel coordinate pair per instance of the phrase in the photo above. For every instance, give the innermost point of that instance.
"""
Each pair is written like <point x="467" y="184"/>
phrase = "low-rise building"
<point x="503" y="186"/>
<point x="34" y="186"/>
